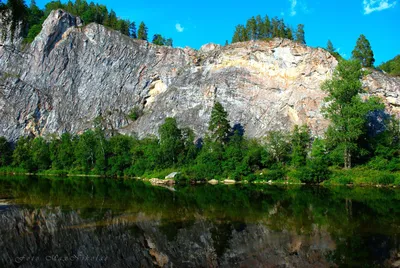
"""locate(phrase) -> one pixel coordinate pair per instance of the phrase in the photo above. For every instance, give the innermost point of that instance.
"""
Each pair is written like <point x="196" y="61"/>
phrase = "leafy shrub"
<point x="386" y="179"/>
<point x="314" y="172"/>
<point x="33" y="32"/>
<point x="277" y="173"/>
<point x="135" y="113"/>
<point x="251" y="177"/>
<point x="378" y="163"/>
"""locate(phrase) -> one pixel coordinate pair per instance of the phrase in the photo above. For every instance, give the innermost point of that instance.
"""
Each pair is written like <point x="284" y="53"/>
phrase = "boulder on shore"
<point x="156" y="181"/>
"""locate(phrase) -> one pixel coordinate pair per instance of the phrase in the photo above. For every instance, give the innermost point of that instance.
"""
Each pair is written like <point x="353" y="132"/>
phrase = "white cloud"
<point x="376" y="5"/>
<point x="179" y="27"/>
<point x="293" y="4"/>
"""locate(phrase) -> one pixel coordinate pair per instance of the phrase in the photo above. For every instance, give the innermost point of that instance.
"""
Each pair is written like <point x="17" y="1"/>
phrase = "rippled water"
<point x="87" y="222"/>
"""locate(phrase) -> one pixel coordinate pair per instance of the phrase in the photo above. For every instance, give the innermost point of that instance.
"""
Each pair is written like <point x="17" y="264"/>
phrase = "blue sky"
<point x="194" y="23"/>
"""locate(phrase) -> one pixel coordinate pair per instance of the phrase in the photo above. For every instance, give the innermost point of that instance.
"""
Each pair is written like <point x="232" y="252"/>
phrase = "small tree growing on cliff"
<point x="300" y="34"/>
<point x="346" y="111"/>
<point x="329" y="47"/>
<point x="142" y="32"/>
<point x="363" y="52"/>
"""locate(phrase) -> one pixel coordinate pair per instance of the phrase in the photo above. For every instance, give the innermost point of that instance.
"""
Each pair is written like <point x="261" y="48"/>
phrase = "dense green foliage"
<point x="161" y="41"/>
<point x="32" y="17"/>
<point x="257" y="28"/>
<point x="347" y="112"/>
<point x="363" y="52"/>
<point x="352" y="139"/>
<point x="392" y="66"/>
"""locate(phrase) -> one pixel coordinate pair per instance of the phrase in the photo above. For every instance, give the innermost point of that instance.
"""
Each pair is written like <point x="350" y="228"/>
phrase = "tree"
<point x="300" y="142"/>
<point x="123" y="26"/>
<point x="191" y="149"/>
<point x="363" y="52"/>
<point x="392" y="66"/>
<point x="300" y="34"/>
<point x="274" y="27"/>
<point x="85" y="150"/>
<point x="168" y="42"/>
<point x="289" y="33"/>
<point x="346" y="111"/>
<point x="329" y="47"/>
<point x="142" y="32"/>
<point x="233" y="164"/>
<point x="35" y="14"/>
<point x="267" y="27"/>
<point x="277" y="146"/>
<point x="40" y="154"/>
<point x="22" y="154"/>
<point x="219" y="125"/>
<point x="240" y="34"/>
<point x="251" y="28"/>
<point x="260" y="28"/>
<point x="111" y="20"/>
<point x="120" y="156"/>
<point x="5" y="152"/>
<point x="132" y="30"/>
<point x="158" y="40"/>
<point x="171" y="142"/>
<point x="19" y="14"/>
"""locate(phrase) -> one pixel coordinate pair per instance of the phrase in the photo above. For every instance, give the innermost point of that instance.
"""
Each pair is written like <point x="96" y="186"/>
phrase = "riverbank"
<point x="361" y="177"/>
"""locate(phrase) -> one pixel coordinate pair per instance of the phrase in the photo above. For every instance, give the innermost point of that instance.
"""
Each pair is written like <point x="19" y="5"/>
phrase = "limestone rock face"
<point x="72" y="74"/>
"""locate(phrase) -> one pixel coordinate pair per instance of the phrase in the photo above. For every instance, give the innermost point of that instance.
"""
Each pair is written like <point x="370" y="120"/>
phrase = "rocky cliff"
<point x="72" y="74"/>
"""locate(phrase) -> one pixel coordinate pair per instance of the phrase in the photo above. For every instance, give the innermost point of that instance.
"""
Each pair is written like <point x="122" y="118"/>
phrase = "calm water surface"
<point x="87" y="222"/>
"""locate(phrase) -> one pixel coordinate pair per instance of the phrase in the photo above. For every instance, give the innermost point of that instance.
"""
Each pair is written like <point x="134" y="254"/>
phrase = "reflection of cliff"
<point x="134" y="224"/>
<point x="136" y="240"/>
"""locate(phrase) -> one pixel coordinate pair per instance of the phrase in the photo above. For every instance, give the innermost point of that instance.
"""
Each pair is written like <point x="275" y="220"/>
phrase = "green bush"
<point x="314" y="172"/>
<point x="386" y="179"/>
<point x="277" y="173"/>
<point x="135" y="113"/>
<point x="33" y="32"/>
<point x="378" y="163"/>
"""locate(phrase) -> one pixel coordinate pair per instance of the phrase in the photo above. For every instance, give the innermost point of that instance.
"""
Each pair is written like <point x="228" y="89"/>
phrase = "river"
<point x="94" y="222"/>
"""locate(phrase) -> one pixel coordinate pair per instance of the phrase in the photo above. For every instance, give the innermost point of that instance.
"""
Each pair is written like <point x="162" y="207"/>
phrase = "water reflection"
<point x="80" y="222"/>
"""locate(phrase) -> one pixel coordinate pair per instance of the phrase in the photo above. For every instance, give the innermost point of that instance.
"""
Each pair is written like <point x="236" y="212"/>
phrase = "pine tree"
<point x="19" y="13"/>
<point x="158" y="40"/>
<point x="219" y="125"/>
<point x="168" y="42"/>
<point x="274" y="27"/>
<point x="132" y="30"/>
<point x="300" y="35"/>
<point x="289" y="33"/>
<point x="267" y="27"/>
<point x="142" y="32"/>
<point x="260" y="28"/>
<point x="251" y="28"/>
<point x="329" y="47"/>
<point x="363" y="52"/>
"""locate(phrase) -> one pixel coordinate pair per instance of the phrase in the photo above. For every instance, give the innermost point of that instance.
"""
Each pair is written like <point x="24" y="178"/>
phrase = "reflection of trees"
<point x="363" y="222"/>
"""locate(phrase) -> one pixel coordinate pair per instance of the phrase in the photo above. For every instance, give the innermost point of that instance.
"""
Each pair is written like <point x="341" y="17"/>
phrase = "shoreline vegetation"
<point x="360" y="147"/>
<point x="339" y="179"/>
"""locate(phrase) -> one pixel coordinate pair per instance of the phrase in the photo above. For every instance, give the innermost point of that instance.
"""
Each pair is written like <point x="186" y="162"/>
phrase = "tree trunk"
<point x="347" y="158"/>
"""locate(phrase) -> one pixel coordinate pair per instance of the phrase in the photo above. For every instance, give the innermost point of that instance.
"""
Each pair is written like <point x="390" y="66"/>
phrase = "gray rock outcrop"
<point x="72" y="74"/>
